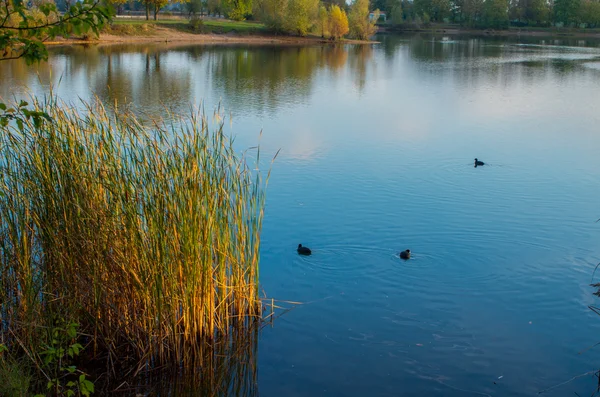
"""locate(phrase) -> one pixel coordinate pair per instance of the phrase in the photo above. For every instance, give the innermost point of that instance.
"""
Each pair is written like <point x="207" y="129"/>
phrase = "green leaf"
<point x="2" y="106"/>
<point x="70" y="393"/>
<point x="76" y="348"/>
<point x="87" y="386"/>
<point x="23" y="104"/>
<point x="20" y="124"/>
<point x="72" y="331"/>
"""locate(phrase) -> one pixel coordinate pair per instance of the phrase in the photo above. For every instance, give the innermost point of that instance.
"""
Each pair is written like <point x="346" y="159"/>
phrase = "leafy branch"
<point x="24" y="30"/>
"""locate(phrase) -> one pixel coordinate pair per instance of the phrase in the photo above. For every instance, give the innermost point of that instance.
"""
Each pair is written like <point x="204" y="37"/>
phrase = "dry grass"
<point x="147" y="237"/>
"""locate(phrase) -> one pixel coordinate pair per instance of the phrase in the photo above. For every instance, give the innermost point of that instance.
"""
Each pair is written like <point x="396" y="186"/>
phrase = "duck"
<point x="405" y="254"/>
<point x="304" y="250"/>
<point x="477" y="162"/>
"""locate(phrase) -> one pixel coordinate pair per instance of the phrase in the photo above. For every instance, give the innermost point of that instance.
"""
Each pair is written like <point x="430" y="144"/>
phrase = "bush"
<point x="196" y="24"/>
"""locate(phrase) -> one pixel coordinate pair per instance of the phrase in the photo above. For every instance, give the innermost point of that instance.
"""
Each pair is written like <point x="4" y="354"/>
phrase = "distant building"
<point x="382" y="16"/>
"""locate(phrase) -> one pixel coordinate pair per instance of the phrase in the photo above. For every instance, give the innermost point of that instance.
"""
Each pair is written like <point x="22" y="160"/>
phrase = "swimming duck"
<point x="477" y="162"/>
<point x="303" y="250"/>
<point x="405" y="254"/>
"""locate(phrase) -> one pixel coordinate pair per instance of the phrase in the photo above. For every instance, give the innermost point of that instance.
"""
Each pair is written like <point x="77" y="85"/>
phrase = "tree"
<point x="537" y="11"/>
<point x="237" y="9"/>
<point x="397" y="16"/>
<point x="301" y="16"/>
<point x="529" y="11"/>
<point x="215" y="7"/>
<point x="271" y="12"/>
<point x="291" y="16"/>
<point x="196" y="7"/>
<point x="472" y="11"/>
<point x="118" y="4"/>
<point x="436" y="9"/>
<point x="323" y="20"/>
<point x="23" y="31"/>
<point x="361" y="26"/>
<point x="590" y="12"/>
<point x="495" y="13"/>
<point x="386" y="6"/>
<point x="338" y="23"/>
<point x="566" y="11"/>
<point x="157" y="5"/>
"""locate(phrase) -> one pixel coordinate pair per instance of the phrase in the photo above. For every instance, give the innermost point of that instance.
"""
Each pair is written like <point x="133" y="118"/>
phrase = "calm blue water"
<point x="377" y="146"/>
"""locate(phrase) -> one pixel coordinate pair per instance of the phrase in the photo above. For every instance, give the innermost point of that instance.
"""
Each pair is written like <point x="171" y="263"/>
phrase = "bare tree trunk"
<point x="147" y="10"/>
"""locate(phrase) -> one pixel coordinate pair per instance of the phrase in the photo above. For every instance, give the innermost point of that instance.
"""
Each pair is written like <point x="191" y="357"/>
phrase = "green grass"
<point x="210" y="25"/>
<point x="16" y="380"/>
<point x="147" y="236"/>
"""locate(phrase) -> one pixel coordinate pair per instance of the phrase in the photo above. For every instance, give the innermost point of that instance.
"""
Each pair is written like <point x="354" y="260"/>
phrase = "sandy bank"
<point x="161" y="34"/>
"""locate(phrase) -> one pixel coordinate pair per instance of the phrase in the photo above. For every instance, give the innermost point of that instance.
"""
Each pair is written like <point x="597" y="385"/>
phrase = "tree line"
<point x="332" y="19"/>
<point x="493" y="13"/>
<point x="296" y="15"/>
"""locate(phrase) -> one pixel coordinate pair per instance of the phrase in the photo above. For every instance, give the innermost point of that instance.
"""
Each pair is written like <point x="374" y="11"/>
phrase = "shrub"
<point x="196" y="24"/>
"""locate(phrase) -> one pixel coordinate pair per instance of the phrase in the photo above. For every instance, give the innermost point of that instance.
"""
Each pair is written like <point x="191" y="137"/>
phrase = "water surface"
<point x="377" y="146"/>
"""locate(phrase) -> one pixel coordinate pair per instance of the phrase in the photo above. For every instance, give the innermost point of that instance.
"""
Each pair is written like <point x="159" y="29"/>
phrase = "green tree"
<point x="436" y="9"/>
<point x="383" y="5"/>
<point x="271" y="12"/>
<point x="301" y="16"/>
<point x="323" y="20"/>
<point x="515" y="10"/>
<point x="291" y="16"/>
<point x="237" y="9"/>
<point x="196" y="7"/>
<point x="408" y="10"/>
<point x="529" y="11"/>
<point x="23" y="31"/>
<point x="495" y="13"/>
<point x="537" y="11"/>
<point x="214" y="7"/>
<point x="361" y="27"/>
<point x="338" y="23"/>
<point x="472" y="11"/>
<point x="590" y="12"/>
<point x="397" y="15"/>
<point x="118" y="4"/>
<point x="567" y="11"/>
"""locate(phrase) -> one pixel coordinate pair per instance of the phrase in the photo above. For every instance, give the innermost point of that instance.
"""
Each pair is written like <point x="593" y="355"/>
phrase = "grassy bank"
<point x="209" y="26"/>
<point x="137" y="244"/>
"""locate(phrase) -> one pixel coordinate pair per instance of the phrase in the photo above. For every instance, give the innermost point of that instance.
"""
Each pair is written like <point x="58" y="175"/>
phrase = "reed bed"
<point x="148" y="237"/>
<point x="229" y="369"/>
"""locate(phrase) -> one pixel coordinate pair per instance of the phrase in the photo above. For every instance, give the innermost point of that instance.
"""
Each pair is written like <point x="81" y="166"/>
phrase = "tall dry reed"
<point x="147" y="237"/>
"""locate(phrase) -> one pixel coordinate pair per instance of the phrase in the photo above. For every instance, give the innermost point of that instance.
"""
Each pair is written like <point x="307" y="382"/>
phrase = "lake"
<point x="377" y="147"/>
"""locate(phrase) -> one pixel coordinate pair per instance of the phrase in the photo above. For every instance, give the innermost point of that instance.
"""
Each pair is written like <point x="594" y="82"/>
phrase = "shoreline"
<point x="514" y="32"/>
<point x="166" y="35"/>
